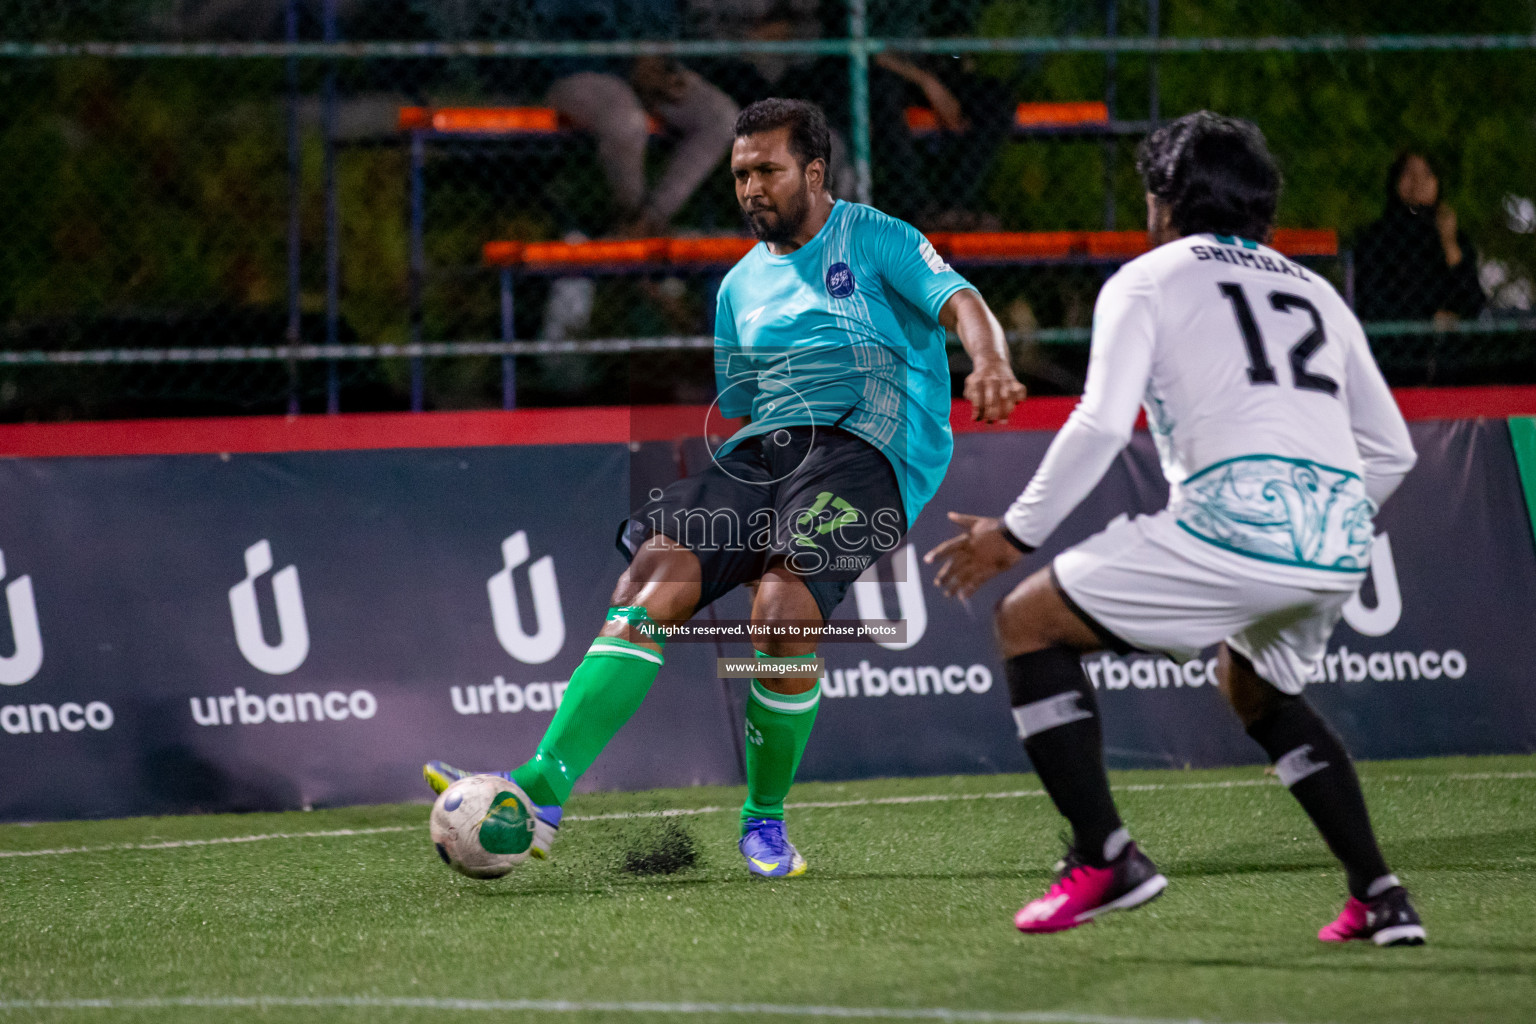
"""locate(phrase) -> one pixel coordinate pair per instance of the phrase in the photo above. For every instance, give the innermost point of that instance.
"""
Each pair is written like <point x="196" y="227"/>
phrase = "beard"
<point x="778" y="225"/>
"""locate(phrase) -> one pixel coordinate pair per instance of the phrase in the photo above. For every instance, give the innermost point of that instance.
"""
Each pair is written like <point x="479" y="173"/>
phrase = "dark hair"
<point x="1400" y="164"/>
<point x="1214" y="173"/>
<point x="809" y="137"/>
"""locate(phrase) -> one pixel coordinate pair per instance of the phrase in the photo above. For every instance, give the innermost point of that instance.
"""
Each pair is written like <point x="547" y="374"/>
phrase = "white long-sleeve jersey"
<point x="1275" y="429"/>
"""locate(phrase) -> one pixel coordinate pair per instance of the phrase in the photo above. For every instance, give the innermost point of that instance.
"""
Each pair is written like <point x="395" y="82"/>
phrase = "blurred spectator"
<point x="609" y="98"/>
<point x="750" y="77"/>
<point x="936" y="182"/>
<point x="1414" y="263"/>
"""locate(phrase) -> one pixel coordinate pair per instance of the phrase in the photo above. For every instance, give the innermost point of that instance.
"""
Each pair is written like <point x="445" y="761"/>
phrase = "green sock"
<point x="778" y="726"/>
<point x="605" y="691"/>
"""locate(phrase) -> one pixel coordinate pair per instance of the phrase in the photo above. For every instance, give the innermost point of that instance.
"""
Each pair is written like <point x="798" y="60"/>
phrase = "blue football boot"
<point x="546" y="818"/>
<point x="768" y="851"/>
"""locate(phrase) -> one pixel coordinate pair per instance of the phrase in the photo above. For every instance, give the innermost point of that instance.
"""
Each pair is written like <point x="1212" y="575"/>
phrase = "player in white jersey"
<point x="1279" y="439"/>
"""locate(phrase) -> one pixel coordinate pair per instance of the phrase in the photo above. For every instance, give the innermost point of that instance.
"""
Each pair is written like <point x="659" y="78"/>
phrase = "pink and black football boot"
<point x="1083" y="892"/>
<point x="1387" y="920"/>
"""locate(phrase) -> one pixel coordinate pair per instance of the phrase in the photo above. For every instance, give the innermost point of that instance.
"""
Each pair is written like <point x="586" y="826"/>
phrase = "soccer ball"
<point x="483" y="826"/>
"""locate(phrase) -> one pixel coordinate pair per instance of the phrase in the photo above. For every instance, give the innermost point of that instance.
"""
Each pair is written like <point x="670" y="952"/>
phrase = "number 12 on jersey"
<point x="1259" y="369"/>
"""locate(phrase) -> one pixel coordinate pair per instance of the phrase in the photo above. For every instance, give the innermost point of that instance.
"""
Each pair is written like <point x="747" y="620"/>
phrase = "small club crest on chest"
<point x="840" y="282"/>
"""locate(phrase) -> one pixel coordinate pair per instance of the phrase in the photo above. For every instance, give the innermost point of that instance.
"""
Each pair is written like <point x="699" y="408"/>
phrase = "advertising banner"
<point x="265" y="631"/>
<point x="1431" y="658"/>
<point x="262" y="631"/>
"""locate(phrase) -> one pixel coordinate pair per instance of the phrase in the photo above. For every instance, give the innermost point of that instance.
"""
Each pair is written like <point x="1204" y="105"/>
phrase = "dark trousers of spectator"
<point x="607" y="107"/>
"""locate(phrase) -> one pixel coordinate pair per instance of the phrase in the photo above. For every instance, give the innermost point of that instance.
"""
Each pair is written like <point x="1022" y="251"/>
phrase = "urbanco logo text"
<point x="23" y="664"/>
<point x="292" y="646"/>
<point x="549" y="621"/>
<point x="22" y="719"/>
<point x="905" y="681"/>
<point x="507" y="698"/>
<point x="243" y="708"/>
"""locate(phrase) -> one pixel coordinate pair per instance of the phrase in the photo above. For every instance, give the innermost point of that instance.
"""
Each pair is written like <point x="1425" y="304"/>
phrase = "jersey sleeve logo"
<point x="839" y="281"/>
<point x="932" y="258"/>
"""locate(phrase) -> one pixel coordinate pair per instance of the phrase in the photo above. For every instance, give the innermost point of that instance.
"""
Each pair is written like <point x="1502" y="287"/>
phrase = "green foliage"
<point x="1334" y="121"/>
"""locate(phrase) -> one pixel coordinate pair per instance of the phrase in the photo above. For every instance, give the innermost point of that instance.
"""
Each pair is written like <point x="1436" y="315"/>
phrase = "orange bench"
<point x="964" y="248"/>
<point x="489" y="122"/>
<point x="511" y="122"/>
<point x="994" y="248"/>
<point x="1087" y="117"/>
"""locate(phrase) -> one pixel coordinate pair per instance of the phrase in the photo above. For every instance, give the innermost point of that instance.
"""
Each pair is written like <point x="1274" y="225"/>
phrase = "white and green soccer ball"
<point x="483" y="826"/>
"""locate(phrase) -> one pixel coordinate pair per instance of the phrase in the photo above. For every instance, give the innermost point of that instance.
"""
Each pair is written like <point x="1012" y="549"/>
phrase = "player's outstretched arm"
<point x="991" y="387"/>
<point x="1119" y="366"/>
<point x="1381" y="436"/>
<point x="981" y="550"/>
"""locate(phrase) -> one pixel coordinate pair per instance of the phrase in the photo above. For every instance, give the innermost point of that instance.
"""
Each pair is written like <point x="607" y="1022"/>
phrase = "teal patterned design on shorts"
<point x="1282" y="510"/>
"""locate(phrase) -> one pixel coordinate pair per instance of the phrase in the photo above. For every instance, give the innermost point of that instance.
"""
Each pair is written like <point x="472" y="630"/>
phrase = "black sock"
<point x="1312" y="762"/>
<point x="1058" y="720"/>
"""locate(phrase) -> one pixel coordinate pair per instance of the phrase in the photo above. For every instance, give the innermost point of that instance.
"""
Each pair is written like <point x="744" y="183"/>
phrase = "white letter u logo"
<point x="23" y="665"/>
<point x="1382" y="619"/>
<point x="909" y="599"/>
<point x="293" y="632"/>
<point x="549" y="621"/>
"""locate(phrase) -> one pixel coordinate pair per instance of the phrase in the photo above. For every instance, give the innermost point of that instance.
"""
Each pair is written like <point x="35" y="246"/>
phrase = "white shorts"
<point x="1154" y="587"/>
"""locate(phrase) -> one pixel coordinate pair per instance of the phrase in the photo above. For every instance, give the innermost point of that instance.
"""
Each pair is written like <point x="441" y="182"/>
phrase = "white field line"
<point x="564" y="1006"/>
<point x="674" y="812"/>
<point x="177" y="844"/>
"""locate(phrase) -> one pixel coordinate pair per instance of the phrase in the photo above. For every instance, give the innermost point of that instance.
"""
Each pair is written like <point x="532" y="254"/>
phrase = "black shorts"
<point x="821" y="501"/>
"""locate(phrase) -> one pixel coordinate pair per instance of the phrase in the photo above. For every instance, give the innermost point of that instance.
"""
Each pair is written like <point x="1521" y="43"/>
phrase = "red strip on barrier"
<point x="1047" y="413"/>
<point x="591" y="425"/>
<point x="1465" y="403"/>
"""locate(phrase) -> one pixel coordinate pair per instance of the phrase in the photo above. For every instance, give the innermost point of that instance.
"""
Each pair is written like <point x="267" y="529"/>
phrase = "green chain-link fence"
<point x="230" y="206"/>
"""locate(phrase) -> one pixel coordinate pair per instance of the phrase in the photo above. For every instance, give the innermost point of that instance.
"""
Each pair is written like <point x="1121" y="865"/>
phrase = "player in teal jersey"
<point x="830" y="337"/>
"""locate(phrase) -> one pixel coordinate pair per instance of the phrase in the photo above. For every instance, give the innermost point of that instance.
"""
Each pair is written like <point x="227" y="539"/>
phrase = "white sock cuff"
<point x="615" y="647"/>
<point x="1381" y="885"/>
<point x="786" y="703"/>
<point x="1115" y="843"/>
<point x="1296" y="765"/>
<point x="1038" y="716"/>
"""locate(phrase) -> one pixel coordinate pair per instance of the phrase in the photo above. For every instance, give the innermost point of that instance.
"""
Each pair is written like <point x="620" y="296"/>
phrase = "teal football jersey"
<point x="844" y="332"/>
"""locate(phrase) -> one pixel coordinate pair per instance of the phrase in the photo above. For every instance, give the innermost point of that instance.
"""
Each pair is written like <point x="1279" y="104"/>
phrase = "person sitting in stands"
<point x="749" y="77"/>
<point x="603" y="97"/>
<point x="937" y="181"/>
<point x="1414" y="262"/>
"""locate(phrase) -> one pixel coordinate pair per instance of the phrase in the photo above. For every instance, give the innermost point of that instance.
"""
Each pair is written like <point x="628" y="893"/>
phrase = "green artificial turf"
<point x="906" y="905"/>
